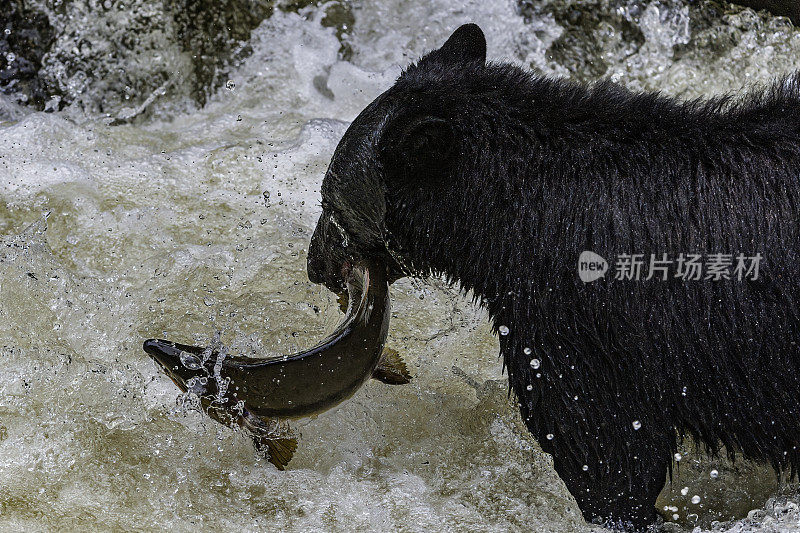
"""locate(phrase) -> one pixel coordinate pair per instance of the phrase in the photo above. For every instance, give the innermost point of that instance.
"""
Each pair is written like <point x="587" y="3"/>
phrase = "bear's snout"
<point x="326" y="254"/>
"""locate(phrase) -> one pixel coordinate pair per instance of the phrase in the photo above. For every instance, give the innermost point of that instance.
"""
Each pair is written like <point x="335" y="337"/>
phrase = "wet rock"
<point x="627" y="39"/>
<point x="25" y="36"/>
<point x="127" y="58"/>
<point x="585" y="46"/>
<point x="214" y="32"/>
<point x="108" y="55"/>
<point x="788" y="8"/>
<point x="122" y="57"/>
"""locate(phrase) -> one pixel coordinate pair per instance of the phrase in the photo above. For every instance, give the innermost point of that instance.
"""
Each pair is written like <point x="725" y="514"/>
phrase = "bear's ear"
<point x="419" y="149"/>
<point x="466" y="45"/>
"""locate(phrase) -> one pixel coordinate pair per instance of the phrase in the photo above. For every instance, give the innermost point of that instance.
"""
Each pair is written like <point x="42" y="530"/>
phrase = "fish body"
<point x="256" y="394"/>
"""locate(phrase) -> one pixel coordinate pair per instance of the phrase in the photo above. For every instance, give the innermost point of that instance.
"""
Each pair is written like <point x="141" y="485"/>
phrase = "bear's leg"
<point x="616" y="502"/>
<point x="618" y="489"/>
<point x="614" y="465"/>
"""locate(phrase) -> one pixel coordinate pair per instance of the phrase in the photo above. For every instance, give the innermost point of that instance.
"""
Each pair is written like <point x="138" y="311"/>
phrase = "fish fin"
<point x="277" y="451"/>
<point x="270" y="439"/>
<point x="391" y="369"/>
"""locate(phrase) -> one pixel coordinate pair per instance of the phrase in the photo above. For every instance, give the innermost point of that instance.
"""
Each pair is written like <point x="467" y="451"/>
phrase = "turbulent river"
<point x="160" y="214"/>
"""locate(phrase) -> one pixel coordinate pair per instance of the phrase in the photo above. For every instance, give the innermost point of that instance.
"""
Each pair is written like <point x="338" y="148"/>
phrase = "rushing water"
<point x="156" y="217"/>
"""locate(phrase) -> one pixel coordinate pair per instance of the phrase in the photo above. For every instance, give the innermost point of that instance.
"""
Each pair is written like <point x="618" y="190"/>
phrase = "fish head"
<point x="397" y="162"/>
<point x="189" y="367"/>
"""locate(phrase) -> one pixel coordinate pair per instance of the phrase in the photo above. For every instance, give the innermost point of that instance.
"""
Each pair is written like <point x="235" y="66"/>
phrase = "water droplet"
<point x="529" y="387"/>
<point x="549" y="436"/>
<point x="675" y="516"/>
<point x="535" y="363"/>
<point x="585" y="468"/>
<point x="7" y="31"/>
<point x="678" y="457"/>
<point x="526" y="351"/>
<point x="503" y="330"/>
<point x="189" y="361"/>
<point x="637" y="425"/>
<point x="10" y="57"/>
<point x="695" y="499"/>
<point x="230" y="85"/>
<point x="714" y="474"/>
<point x="684" y="491"/>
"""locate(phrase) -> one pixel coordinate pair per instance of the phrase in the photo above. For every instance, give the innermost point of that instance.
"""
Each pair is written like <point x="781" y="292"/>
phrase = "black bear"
<point x="499" y="180"/>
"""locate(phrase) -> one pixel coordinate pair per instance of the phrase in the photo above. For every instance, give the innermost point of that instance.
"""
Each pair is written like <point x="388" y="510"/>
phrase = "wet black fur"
<point x="514" y="176"/>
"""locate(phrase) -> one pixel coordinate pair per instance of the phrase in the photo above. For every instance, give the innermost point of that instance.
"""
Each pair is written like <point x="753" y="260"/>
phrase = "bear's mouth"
<point x="332" y="271"/>
<point x="334" y="250"/>
<point x="328" y="257"/>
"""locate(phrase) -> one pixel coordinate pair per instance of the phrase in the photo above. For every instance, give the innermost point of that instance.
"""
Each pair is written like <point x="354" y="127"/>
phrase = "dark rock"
<point x="105" y="56"/>
<point x="787" y="8"/>
<point x="25" y="36"/>
<point x="607" y="37"/>
<point x="581" y="48"/>
<point x="210" y="31"/>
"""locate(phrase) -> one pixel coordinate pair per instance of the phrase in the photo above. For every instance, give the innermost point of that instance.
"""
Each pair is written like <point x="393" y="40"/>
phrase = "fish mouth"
<point x="180" y="362"/>
<point x="300" y="384"/>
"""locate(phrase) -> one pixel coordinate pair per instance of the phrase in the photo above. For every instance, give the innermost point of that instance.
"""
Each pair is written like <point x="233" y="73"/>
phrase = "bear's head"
<point x="403" y="179"/>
